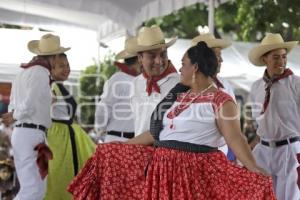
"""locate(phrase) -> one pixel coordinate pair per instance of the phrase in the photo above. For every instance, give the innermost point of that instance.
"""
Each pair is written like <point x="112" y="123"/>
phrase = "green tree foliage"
<point x="245" y="20"/>
<point x="182" y="23"/>
<point x="91" y="87"/>
<point x="255" y="17"/>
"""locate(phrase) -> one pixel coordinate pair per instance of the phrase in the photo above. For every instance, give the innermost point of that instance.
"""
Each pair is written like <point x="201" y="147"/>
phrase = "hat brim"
<point x="124" y="55"/>
<point x="214" y="43"/>
<point x="33" y="48"/>
<point x="140" y="48"/>
<point x="256" y="53"/>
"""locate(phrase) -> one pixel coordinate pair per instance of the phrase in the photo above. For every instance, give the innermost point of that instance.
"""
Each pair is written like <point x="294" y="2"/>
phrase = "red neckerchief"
<point x="37" y="61"/>
<point x="217" y="82"/>
<point x="44" y="154"/>
<point x="269" y="82"/>
<point x="124" y="68"/>
<point x="152" y="81"/>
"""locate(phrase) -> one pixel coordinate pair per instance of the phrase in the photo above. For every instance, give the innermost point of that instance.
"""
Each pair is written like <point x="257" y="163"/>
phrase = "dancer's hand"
<point x="7" y="118"/>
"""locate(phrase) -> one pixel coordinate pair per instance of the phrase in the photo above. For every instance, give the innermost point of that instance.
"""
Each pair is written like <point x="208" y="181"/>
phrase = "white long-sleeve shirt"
<point x="282" y="116"/>
<point x="143" y="105"/>
<point x="30" y="97"/>
<point x="113" y="112"/>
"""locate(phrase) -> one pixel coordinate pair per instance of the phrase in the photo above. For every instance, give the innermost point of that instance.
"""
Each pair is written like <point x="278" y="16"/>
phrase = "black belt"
<point x="184" y="146"/>
<point x="280" y="142"/>
<point x="34" y="126"/>
<point x="121" y="134"/>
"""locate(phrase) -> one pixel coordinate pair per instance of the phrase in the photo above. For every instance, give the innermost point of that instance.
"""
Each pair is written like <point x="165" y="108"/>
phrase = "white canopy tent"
<point x="107" y="19"/>
<point x="110" y="18"/>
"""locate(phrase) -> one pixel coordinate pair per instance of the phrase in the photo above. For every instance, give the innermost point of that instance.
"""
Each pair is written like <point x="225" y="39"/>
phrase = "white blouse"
<point x="195" y="123"/>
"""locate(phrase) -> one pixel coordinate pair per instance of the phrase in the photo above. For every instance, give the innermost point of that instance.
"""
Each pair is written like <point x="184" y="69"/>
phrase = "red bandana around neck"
<point x="269" y="82"/>
<point x="124" y="68"/>
<point x="37" y="61"/>
<point x="217" y="82"/>
<point x="152" y="81"/>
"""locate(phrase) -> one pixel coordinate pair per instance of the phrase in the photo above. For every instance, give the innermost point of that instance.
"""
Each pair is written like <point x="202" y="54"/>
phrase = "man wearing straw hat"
<point x="217" y="45"/>
<point x="113" y="112"/>
<point x="275" y="102"/>
<point x="29" y="110"/>
<point x="158" y="75"/>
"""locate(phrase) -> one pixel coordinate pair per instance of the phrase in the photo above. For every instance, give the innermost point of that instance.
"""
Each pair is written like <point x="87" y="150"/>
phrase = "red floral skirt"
<point x="177" y="175"/>
<point x="116" y="172"/>
<point x="121" y="171"/>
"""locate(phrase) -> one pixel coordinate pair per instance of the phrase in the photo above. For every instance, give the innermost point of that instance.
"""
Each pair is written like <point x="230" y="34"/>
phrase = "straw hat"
<point x="48" y="45"/>
<point x="130" y="43"/>
<point x="149" y="38"/>
<point x="211" y="41"/>
<point x="270" y="42"/>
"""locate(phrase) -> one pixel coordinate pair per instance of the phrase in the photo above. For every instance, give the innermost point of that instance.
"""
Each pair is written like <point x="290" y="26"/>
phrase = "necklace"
<point x="184" y="105"/>
<point x="205" y="89"/>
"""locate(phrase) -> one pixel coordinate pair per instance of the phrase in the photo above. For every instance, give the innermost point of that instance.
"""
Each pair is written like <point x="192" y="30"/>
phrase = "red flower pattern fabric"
<point x="121" y="171"/>
<point x="217" y="99"/>
<point x="177" y="175"/>
<point x="115" y="172"/>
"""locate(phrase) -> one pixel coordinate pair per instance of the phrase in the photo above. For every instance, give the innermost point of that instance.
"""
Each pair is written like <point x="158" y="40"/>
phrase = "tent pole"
<point x="211" y="10"/>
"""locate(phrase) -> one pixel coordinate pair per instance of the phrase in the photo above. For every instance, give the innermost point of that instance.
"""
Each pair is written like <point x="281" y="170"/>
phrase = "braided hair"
<point x="205" y="57"/>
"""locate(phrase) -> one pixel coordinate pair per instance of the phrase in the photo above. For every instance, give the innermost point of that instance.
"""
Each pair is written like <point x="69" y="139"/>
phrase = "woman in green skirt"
<point x="70" y="144"/>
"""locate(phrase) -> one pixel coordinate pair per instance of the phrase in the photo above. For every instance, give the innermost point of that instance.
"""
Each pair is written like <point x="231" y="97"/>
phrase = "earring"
<point x="194" y="78"/>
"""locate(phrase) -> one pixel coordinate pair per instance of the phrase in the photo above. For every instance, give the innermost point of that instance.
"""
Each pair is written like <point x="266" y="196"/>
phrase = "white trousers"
<point x="23" y="140"/>
<point x="281" y="163"/>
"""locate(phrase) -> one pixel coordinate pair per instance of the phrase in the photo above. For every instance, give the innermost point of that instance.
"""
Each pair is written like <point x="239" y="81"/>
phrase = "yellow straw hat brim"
<point x="124" y="55"/>
<point x="33" y="47"/>
<point x="256" y="53"/>
<point x="140" y="48"/>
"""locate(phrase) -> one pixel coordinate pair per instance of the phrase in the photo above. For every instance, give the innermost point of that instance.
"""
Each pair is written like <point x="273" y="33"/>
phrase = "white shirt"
<point x="227" y="87"/>
<point x="113" y="112"/>
<point x="197" y="123"/>
<point x="143" y="105"/>
<point x="282" y="117"/>
<point x="31" y="96"/>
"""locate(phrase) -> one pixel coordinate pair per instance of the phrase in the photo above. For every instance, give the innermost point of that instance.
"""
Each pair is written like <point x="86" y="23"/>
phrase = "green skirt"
<point x="61" y="168"/>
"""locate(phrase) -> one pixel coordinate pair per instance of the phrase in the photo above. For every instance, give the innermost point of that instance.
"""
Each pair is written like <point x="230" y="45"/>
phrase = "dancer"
<point x="275" y="106"/>
<point x="29" y="110"/>
<point x="70" y="144"/>
<point x="185" y="163"/>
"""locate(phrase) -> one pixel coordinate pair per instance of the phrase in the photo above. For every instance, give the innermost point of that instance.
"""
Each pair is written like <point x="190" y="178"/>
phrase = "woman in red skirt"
<point x="178" y="158"/>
